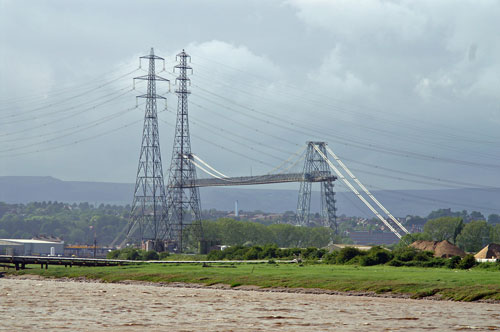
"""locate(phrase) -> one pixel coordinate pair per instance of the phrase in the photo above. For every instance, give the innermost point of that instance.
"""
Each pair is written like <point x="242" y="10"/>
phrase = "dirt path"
<point x="35" y="305"/>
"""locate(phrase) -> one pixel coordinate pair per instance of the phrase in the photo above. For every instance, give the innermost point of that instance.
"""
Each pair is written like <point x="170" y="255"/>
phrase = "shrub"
<point x="453" y="262"/>
<point x="164" y="255"/>
<point x="130" y="254"/>
<point x="310" y="253"/>
<point x="270" y="251"/>
<point x="321" y="253"/>
<point x="405" y="254"/>
<point x="467" y="262"/>
<point x="113" y="254"/>
<point x="150" y="255"/>
<point x="215" y="255"/>
<point x="376" y="256"/>
<point x="253" y="253"/>
<point x="396" y="262"/>
<point x="331" y="258"/>
<point x="423" y="256"/>
<point x="368" y="260"/>
<point x="433" y="262"/>
<point x="348" y="253"/>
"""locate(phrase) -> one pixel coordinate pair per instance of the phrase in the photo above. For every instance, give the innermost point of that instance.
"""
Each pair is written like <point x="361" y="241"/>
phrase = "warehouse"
<point x="31" y="247"/>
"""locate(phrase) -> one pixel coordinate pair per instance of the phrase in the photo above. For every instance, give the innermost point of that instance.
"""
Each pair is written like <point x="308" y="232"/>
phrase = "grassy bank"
<point x="459" y="285"/>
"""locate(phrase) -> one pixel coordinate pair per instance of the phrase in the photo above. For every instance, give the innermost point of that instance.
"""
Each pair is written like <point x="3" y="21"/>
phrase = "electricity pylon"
<point x="149" y="207"/>
<point x="184" y="208"/>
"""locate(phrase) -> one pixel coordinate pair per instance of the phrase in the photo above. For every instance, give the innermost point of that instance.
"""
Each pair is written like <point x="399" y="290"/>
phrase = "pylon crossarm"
<point x="337" y="159"/>
<point x="356" y="192"/>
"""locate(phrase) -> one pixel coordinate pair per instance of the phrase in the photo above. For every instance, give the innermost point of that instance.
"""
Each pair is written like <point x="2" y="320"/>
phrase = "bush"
<point x="348" y="253"/>
<point x="396" y="262"/>
<point x="150" y="255"/>
<point x="467" y="262"/>
<point x="270" y="251"/>
<point x="368" y="260"/>
<point x="405" y="254"/>
<point x="453" y="262"/>
<point x="253" y="253"/>
<point x="376" y="256"/>
<point x="423" y="256"/>
<point x="331" y="258"/>
<point x="113" y="254"/>
<point x="130" y="254"/>
<point x="164" y="255"/>
<point x="215" y="255"/>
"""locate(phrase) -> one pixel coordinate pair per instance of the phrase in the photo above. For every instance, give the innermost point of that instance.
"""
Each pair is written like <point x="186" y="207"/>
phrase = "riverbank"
<point x="50" y="305"/>
<point x="382" y="281"/>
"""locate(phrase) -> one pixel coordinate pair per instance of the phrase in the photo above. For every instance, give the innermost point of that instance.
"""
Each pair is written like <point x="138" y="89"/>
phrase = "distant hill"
<point x="23" y="189"/>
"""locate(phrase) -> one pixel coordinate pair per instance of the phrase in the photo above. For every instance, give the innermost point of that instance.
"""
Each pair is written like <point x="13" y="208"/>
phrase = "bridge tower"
<point x="149" y="207"/>
<point x="315" y="163"/>
<point x="184" y="208"/>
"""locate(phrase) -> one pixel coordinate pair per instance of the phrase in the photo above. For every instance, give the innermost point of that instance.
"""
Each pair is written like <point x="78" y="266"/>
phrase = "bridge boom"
<point x="257" y="179"/>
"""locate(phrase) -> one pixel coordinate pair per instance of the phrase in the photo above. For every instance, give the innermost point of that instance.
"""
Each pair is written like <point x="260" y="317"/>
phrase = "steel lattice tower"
<point x="184" y="209"/>
<point x="149" y="207"/>
<point x="315" y="163"/>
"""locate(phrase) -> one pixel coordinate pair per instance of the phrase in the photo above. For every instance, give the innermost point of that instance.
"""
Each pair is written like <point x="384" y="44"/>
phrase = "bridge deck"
<point x="20" y="262"/>
<point x="259" y="179"/>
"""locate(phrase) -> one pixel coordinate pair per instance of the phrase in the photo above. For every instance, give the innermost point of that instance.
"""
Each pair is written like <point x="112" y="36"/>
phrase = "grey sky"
<point x="406" y="85"/>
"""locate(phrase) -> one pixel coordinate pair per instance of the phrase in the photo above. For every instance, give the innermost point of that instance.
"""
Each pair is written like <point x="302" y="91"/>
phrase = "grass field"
<point x="459" y="285"/>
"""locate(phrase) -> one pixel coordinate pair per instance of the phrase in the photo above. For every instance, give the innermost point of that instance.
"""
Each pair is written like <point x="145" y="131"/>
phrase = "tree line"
<point x="73" y="223"/>
<point x="78" y="223"/>
<point x="471" y="236"/>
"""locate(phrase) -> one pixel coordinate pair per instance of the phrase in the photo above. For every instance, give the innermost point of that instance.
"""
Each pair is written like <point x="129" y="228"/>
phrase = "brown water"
<point x="42" y="305"/>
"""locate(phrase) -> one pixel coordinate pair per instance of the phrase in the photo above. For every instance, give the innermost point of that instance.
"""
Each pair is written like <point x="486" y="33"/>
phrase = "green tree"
<point x="495" y="233"/>
<point x="445" y="213"/>
<point x="474" y="236"/>
<point x="408" y="239"/>
<point x="444" y="228"/>
<point x="494" y="219"/>
<point x="475" y="215"/>
<point x="458" y="229"/>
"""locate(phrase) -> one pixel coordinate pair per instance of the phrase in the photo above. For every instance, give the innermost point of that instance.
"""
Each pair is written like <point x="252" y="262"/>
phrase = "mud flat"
<point x="48" y="305"/>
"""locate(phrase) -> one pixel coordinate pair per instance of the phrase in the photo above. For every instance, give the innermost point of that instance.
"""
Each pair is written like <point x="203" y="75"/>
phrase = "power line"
<point x="351" y="142"/>
<point x="73" y="132"/>
<point x="59" y="119"/>
<point x="223" y="147"/>
<point x="390" y="117"/>
<point x="52" y="104"/>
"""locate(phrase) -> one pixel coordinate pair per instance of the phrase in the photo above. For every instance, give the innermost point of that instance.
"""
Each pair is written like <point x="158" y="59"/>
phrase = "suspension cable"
<point x="365" y="189"/>
<point x="356" y="192"/>
<point x="207" y="165"/>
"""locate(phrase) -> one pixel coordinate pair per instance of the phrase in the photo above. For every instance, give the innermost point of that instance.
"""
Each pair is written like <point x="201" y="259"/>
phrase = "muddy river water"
<point x="44" y="305"/>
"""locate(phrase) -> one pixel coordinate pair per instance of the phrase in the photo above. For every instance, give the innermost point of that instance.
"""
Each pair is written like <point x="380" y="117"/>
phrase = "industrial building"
<point x="25" y="247"/>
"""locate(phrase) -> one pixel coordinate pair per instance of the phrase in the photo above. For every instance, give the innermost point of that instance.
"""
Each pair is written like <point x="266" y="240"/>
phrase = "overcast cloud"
<point x="406" y="85"/>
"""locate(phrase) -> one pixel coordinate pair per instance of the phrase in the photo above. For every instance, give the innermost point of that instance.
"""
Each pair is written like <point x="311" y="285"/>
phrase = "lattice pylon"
<point x="184" y="212"/>
<point x="314" y="163"/>
<point x="149" y="207"/>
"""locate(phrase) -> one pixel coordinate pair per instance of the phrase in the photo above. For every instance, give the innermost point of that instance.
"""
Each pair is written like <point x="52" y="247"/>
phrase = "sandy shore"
<point x="35" y="304"/>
